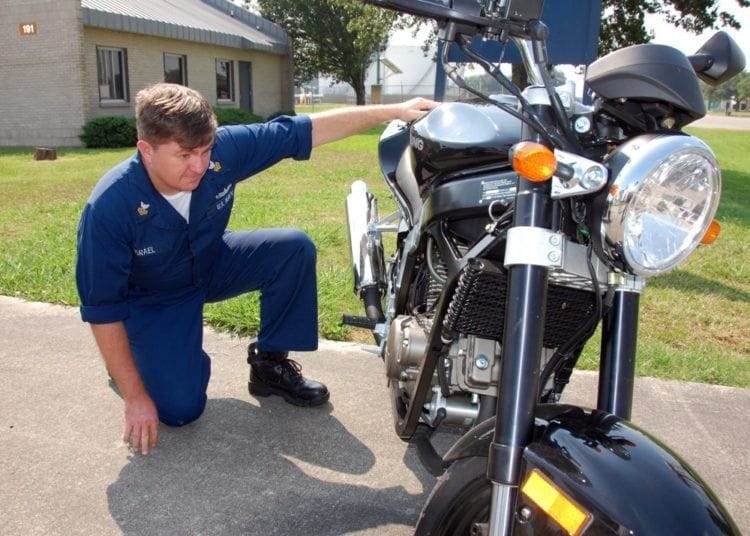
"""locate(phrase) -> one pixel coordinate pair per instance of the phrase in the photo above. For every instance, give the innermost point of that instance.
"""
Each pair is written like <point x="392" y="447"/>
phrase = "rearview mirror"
<point x="718" y="60"/>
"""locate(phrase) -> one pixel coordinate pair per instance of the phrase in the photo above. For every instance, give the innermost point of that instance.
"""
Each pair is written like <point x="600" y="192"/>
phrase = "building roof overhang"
<point x="214" y="22"/>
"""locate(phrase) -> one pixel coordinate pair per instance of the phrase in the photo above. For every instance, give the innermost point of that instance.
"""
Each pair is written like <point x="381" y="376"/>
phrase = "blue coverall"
<point x="140" y="262"/>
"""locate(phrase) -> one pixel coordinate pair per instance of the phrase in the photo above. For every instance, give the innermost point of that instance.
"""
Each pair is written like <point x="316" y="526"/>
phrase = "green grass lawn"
<point x="695" y="322"/>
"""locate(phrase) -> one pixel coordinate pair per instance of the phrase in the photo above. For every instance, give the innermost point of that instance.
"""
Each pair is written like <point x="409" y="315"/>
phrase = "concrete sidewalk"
<point x="262" y="467"/>
<point x="726" y="122"/>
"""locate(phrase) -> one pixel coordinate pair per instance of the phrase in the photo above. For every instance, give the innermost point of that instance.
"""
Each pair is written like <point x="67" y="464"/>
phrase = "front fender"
<point x="628" y="481"/>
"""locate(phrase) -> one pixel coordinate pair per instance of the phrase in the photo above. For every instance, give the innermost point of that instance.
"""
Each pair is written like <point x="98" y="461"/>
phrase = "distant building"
<point x="404" y="71"/>
<point x="64" y="62"/>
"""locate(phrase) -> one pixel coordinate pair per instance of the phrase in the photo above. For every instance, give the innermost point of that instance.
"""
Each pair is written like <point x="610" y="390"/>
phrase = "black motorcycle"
<point x="523" y="223"/>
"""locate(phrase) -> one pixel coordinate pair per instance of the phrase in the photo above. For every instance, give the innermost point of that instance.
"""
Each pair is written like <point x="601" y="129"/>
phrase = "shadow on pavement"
<point x="223" y="475"/>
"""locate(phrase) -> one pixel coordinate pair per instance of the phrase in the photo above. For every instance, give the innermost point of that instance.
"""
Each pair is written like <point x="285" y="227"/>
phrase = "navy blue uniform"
<point x="141" y="263"/>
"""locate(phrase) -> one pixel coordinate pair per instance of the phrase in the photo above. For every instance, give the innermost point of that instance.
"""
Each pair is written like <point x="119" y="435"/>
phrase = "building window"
<point x="175" y="68"/>
<point x="111" y="65"/>
<point x="224" y="80"/>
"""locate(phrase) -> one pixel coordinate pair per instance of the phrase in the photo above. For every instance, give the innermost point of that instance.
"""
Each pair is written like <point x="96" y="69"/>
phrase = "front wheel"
<point x="460" y="499"/>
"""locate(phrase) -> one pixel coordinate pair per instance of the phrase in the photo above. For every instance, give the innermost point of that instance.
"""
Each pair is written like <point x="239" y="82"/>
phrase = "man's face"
<point x="172" y="168"/>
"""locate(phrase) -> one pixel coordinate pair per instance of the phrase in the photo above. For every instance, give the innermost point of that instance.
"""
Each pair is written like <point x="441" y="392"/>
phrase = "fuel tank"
<point x="459" y="135"/>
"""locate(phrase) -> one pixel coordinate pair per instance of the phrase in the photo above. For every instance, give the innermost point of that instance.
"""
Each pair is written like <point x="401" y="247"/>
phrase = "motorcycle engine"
<point x="468" y="373"/>
<point x="470" y="368"/>
<point x="447" y="189"/>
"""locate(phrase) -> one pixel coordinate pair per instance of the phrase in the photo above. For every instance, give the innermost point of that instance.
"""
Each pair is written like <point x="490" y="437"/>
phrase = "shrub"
<point x="236" y="116"/>
<point x="109" y="131"/>
<point x="277" y="114"/>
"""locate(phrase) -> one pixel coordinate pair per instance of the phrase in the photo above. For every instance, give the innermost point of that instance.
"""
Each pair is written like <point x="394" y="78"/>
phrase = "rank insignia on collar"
<point x="143" y="209"/>
<point x="215" y="166"/>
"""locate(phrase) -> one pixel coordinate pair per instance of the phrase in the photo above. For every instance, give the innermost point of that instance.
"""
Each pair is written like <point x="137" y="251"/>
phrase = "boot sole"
<point x="264" y="391"/>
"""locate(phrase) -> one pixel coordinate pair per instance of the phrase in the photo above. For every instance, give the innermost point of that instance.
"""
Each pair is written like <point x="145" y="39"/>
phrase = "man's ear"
<point x="146" y="150"/>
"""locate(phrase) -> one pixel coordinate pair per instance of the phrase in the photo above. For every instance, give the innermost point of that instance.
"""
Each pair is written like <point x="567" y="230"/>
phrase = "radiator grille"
<point x="478" y="306"/>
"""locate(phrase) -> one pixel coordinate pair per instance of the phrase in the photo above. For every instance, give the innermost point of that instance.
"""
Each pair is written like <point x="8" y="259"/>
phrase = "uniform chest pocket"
<point x="158" y="246"/>
<point x="162" y="263"/>
<point x="219" y="204"/>
<point x="218" y="209"/>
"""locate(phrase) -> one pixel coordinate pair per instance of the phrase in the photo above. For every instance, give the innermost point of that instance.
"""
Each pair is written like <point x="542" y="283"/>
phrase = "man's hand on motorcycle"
<point x="413" y="109"/>
<point x="141" y="424"/>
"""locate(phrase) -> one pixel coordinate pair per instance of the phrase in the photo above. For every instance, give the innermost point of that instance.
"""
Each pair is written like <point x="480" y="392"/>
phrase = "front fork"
<point x="521" y="360"/>
<point x="617" y="356"/>
<point x="523" y="340"/>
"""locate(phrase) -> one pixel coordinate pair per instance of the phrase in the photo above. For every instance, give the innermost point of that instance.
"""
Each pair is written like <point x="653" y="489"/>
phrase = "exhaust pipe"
<point x="365" y="242"/>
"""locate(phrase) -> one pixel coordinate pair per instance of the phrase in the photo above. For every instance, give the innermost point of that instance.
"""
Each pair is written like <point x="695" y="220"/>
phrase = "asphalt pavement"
<point x="260" y="466"/>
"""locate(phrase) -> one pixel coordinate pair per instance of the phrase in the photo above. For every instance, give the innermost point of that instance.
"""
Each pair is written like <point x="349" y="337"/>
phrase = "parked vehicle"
<point x="524" y="223"/>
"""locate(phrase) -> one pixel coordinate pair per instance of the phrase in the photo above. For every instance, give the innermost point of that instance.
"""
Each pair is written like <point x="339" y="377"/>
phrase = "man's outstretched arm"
<point x="339" y="123"/>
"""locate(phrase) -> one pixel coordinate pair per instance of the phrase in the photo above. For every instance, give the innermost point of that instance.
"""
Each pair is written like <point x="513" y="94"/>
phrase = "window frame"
<point x="107" y="77"/>
<point x="230" y="80"/>
<point x="182" y="58"/>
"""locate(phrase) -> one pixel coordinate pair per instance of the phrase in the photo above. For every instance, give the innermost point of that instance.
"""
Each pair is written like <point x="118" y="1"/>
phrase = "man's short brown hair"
<point x="171" y="112"/>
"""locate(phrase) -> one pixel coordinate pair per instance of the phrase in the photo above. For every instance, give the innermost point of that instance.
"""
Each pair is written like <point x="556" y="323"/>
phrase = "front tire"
<point x="460" y="498"/>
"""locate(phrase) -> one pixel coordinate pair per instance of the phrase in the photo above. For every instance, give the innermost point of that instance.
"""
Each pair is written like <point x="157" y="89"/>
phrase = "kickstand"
<point x="431" y="460"/>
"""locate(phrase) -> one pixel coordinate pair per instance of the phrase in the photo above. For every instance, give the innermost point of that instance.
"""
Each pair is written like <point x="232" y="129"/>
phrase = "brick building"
<point x="66" y="61"/>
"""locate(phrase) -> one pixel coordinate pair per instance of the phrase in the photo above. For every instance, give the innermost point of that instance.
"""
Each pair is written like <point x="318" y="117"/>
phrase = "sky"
<point x="664" y="33"/>
<point x="689" y="43"/>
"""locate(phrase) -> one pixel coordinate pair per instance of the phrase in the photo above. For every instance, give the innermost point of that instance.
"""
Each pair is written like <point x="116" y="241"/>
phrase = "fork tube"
<point x="617" y="358"/>
<point x="519" y="376"/>
<point x="522" y="346"/>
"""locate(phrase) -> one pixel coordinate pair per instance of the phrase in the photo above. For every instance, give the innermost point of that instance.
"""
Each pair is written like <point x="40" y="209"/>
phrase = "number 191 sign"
<point x="27" y="28"/>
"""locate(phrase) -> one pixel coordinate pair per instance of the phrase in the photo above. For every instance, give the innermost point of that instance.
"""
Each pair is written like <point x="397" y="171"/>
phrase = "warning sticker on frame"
<point x="502" y="189"/>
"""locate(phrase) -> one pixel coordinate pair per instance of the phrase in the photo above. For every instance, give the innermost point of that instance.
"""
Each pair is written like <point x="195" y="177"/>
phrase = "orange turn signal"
<point x="712" y="233"/>
<point x="534" y="161"/>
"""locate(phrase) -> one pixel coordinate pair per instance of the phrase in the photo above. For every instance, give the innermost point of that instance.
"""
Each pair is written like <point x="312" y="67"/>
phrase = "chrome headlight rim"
<point x="631" y="165"/>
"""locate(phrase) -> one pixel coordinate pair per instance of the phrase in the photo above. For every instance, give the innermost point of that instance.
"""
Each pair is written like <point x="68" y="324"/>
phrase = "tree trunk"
<point x="519" y="75"/>
<point x="358" y="83"/>
<point x="44" y="153"/>
<point x="359" y="90"/>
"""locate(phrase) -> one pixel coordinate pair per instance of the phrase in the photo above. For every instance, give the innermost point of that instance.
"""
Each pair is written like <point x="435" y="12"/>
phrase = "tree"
<point x="743" y="86"/>
<point x="338" y="38"/>
<point x="737" y="87"/>
<point x="623" y="21"/>
<point x="721" y="92"/>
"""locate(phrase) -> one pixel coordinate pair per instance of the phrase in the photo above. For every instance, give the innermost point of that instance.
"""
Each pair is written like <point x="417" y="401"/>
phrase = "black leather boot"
<point x="273" y="373"/>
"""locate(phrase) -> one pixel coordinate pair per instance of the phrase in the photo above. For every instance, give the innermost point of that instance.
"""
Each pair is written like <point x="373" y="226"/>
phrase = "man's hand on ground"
<point x="141" y="424"/>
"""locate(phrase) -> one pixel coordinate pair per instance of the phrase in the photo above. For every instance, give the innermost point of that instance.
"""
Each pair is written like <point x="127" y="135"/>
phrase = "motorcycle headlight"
<point x="663" y="194"/>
